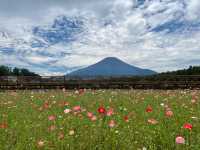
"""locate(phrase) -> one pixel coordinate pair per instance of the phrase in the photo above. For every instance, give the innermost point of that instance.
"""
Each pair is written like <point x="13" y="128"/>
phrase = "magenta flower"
<point x="180" y="140"/>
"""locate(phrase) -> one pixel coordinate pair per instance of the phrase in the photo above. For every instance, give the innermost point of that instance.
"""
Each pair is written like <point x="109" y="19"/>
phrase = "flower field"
<point x="100" y="120"/>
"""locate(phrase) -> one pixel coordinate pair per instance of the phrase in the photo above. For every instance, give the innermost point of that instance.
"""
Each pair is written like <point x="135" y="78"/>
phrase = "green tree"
<point x="5" y="71"/>
<point x="16" y="71"/>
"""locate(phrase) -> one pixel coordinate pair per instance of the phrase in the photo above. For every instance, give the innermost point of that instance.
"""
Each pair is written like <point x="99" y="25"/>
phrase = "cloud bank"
<point x="55" y="37"/>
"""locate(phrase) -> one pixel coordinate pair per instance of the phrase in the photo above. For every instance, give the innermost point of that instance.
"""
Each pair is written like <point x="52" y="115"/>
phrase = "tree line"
<point x="192" y="70"/>
<point x="9" y="71"/>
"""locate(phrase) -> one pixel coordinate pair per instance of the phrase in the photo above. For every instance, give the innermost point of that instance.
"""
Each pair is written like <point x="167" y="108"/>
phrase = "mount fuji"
<point x="111" y="66"/>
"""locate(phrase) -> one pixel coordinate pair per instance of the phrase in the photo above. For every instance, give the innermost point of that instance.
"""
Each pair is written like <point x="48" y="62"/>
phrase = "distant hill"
<point x="111" y="66"/>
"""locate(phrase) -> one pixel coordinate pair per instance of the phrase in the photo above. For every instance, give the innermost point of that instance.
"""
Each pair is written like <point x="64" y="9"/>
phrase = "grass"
<point x="25" y="124"/>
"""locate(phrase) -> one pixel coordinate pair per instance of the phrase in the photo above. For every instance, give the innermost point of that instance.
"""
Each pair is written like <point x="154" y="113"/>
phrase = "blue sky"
<point x="55" y="37"/>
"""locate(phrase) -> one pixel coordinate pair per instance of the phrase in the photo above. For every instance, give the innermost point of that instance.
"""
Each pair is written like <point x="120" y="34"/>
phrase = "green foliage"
<point x="7" y="71"/>
<point x="4" y="70"/>
<point x="16" y="71"/>
<point x="192" y="70"/>
<point x="28" y="126"/>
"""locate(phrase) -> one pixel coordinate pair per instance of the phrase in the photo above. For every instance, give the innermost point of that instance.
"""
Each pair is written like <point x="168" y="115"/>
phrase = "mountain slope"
<point x="111" y="66"/>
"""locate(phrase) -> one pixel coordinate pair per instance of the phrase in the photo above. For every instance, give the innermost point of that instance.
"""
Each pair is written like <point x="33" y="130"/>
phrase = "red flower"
<point x="101" y="110"/>
<point x="46" y="105"/>
<point x="149" y="109"/>
<point x="3" y="125"/>
<point x="187" y="126"/>
<point x="126" y="118"/>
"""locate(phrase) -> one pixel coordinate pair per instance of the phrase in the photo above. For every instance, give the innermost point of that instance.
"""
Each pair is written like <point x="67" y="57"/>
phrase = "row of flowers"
<point x="112" y="123"/>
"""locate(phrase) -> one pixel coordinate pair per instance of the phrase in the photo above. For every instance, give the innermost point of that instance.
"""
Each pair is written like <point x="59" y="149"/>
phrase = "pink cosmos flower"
<point x="52" y="117"/>
<point x="152" y="121"/>
<point x="110" y="112"/>
<point x="93" y="118"/>
<point x="193" y="101"/>
<point x="77" y="108"/>
<point x="111" y="123"/>
<point x="52" y="128"/>
<point x="180" y="140"/>
<point x="89" y="114"/>
<point x="169" y="113"/>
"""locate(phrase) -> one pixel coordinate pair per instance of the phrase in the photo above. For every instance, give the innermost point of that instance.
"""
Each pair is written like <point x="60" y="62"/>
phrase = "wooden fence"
<point x="59" y="82"/>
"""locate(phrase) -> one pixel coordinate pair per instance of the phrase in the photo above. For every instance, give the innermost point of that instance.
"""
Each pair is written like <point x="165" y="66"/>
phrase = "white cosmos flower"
<point x="66" y="111"/>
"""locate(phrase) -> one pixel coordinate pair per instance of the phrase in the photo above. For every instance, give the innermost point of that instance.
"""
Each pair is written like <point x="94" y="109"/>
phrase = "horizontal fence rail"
<point x="59" y="82"/>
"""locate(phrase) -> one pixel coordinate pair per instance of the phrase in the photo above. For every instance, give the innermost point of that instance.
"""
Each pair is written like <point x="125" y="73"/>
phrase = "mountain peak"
<point x="111" y="66"/>
<point x="111" y="59"/>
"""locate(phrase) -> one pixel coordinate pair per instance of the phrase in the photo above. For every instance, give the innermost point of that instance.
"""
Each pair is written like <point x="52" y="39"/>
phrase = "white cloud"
<point x="111" y="28"/>
<point x="192" y="10"/>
